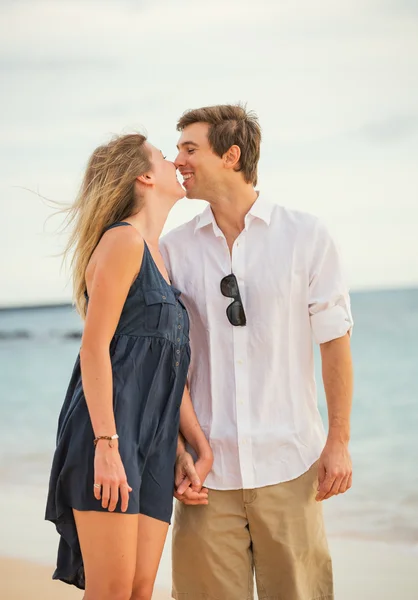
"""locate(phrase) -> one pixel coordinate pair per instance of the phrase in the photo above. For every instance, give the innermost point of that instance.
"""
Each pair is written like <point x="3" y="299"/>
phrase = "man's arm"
<point x="335" y="468"/>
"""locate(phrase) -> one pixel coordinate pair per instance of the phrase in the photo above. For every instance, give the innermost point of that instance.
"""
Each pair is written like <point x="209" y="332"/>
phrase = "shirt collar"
<point x="261" y="209"/>
<point x="205" y="218"/>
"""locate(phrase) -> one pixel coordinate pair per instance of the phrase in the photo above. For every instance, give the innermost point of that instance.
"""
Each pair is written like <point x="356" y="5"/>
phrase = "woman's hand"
<point x="110" y="477"/>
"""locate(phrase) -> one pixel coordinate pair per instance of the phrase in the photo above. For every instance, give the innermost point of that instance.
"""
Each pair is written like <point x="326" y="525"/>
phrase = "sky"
<point x="335" y="85"/>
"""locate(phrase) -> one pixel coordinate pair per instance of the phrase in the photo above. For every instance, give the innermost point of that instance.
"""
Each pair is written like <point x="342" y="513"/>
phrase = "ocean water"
<point x="38" y="348"/>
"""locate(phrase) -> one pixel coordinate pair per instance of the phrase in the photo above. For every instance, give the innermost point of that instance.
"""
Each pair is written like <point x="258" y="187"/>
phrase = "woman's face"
<point x="164" y="175"/>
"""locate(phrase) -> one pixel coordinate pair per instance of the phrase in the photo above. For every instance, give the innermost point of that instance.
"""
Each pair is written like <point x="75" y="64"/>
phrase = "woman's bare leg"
<point x="151" y="537"/>
<point x="108" y="544"/>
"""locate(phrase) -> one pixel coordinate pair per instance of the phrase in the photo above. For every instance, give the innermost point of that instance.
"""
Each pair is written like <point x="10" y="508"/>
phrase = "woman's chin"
<point x="181" y="192"/>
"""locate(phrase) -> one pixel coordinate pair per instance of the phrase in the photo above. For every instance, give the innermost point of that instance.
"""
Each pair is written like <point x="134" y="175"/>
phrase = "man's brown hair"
<point x="229" y="125"/>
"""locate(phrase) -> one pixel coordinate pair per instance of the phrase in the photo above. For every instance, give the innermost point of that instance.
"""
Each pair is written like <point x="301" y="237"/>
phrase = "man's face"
<point x="201" y="168"/>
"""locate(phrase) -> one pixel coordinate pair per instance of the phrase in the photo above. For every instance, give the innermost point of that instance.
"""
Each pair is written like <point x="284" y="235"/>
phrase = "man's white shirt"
<point x="253" y="387"/>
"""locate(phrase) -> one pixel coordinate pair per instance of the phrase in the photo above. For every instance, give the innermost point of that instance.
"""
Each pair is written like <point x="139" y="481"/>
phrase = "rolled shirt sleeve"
<point x="329" y="301"/>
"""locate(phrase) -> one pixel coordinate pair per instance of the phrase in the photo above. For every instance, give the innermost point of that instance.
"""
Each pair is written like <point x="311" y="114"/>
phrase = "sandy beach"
<point x="363" y="571"/>
<point x="21" y="579"/>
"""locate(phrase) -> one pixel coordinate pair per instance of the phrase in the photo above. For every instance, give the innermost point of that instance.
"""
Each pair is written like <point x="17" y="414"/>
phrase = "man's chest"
<point x="271" y="276"/>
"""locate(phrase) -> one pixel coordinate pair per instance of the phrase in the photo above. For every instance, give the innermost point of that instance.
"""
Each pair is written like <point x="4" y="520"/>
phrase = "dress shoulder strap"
<point x="118" y="224"/>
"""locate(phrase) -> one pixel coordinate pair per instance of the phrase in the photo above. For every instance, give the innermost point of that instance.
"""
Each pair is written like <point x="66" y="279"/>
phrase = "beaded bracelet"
<point x="109" y="438"/>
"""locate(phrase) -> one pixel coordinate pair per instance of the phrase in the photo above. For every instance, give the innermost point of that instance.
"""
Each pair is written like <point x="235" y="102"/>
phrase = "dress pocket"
<point x="160" y="308"/>
<point x="186" y="320"/>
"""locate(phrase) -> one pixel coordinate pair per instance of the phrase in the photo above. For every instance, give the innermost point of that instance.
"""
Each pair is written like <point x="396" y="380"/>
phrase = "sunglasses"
<point x="235" y="311"/>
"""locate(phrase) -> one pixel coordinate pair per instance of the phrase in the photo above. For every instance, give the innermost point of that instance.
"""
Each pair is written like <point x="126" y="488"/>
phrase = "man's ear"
<point x="232" y="156"/>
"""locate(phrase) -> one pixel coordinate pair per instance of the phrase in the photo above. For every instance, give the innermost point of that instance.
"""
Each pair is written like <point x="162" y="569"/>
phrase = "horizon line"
<point x="69" y="304"/>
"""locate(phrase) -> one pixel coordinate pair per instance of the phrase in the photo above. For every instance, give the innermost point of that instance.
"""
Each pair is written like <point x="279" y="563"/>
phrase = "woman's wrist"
<point x="181" y="446"/>
<point x="104" y="445"/>
<point x="110" y="439"/>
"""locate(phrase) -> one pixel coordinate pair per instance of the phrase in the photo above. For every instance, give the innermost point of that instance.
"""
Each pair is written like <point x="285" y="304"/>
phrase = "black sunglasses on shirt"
<point x="235" y="311"/>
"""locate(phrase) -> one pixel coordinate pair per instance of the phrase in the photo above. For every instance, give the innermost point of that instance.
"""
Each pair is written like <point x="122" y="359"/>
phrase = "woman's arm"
<point x="116" y="262"/>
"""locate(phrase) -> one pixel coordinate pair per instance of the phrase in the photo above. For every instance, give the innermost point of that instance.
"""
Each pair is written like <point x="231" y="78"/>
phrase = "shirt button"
<point x="177" y="364"/>
<point x="239" y="362"/>
<point x="177" y="351"/>
<point x="178" y="339"/>
<point x="179" y="327"/>
<point x="164" y="297"/>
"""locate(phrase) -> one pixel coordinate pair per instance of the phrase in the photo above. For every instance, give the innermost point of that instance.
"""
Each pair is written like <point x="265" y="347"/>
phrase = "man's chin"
<point x="191" y="195"/>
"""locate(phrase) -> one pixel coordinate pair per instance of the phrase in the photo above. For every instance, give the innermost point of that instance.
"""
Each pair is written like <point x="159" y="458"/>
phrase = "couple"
<point x="144" y="416"/>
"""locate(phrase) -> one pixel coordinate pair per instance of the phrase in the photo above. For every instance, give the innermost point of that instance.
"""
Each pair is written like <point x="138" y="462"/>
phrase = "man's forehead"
<point x="195" y="134"/>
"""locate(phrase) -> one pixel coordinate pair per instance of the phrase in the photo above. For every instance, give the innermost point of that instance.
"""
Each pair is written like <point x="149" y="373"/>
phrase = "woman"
<point x="112" y="479"/>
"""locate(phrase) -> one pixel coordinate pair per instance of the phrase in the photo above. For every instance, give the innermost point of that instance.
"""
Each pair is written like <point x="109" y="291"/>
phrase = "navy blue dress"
<point x="150" y="356"/>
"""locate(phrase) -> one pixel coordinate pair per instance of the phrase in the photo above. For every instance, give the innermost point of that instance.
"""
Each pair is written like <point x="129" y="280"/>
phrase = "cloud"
<point x="51" y="63"/>
<point x="334" y="85"/>
<point x="391" y="129"/>
<point x="400" y="6"/>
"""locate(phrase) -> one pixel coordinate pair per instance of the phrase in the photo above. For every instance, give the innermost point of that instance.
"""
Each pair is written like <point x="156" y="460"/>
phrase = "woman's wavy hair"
<point x="107" y="195"/>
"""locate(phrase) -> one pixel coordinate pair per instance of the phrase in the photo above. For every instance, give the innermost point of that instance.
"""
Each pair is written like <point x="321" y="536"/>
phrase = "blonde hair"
<point x="107" y="195"/>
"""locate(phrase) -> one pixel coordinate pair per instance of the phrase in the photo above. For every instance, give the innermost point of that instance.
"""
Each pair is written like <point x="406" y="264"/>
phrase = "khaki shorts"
<point x="276" y="531"/>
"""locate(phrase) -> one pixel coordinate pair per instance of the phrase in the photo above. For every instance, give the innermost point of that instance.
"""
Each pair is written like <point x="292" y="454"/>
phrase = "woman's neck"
<point x="150" y="220"/>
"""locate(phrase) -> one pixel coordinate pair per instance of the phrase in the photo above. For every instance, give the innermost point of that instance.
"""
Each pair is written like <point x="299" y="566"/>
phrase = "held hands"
<point x="334" y="474"/>
<point x="335" y="471"/>
<point x="110" y="477"/>
<point x="189" y="477"/>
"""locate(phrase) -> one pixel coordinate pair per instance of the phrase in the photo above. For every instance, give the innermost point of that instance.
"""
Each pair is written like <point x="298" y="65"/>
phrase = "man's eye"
<point x="190" y="151"/>
<point x="164" y="157"/>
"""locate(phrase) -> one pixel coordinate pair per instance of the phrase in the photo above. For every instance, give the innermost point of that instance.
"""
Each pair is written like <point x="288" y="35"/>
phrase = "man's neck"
<point x="230" y="208"/>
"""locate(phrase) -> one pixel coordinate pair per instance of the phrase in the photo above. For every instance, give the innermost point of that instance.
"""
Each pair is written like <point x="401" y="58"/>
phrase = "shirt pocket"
<point x="160" y="309"/>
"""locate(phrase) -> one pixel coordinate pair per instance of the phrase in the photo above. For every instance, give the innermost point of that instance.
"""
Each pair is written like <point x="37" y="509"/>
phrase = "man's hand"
<point x="189" y="477"/>
<point x="335" y="470"/>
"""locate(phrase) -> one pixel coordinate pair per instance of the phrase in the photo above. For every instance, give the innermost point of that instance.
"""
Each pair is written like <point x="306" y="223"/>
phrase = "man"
<point x="252" y="375"/>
